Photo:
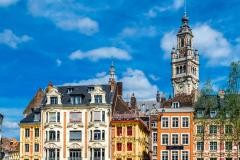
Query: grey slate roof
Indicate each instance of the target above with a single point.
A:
(30, 118)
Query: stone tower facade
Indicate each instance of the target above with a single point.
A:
(185, 62)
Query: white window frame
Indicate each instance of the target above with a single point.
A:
(210, 146)
(172, 138)
(188, 121)
(188, 138)
(177, 154)
(153, 137)
(182, 154)
(197, 128)
(197, 146)
(168, 138)
(168, 122)
(164, 151)
(179, 122)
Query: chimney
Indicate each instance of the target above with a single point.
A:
(119, 88)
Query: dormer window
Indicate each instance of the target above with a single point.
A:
(76, 100)
(213, 114)
(69, 90)
(53, 100)
(37, 117)
(175, 105)
(199, 114)
(90, 89)
(98, 98)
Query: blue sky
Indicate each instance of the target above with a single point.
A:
(75, 41)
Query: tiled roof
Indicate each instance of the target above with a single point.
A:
(35, 102)
(120, 106)
(10, 145)
(183, 99)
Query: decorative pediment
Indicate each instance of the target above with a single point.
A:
(75, 125)
(75, 146)
(51, 146)
(96, 145)
(98, 90)
(52, 125)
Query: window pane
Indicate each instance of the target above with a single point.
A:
(75, 117)
(75, 135)
(97, 116)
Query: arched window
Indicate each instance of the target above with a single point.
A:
(184, 69)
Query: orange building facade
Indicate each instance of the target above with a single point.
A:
(175, 127)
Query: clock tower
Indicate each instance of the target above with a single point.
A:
(185, 62)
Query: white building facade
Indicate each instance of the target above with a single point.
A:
(75, 122)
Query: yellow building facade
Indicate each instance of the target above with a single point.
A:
(129, 138)
(30, 140)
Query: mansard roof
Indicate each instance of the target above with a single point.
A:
(30, 118)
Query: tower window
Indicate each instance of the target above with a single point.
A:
(177, 70)
(182, 42)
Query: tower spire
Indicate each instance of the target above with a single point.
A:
(112, 76)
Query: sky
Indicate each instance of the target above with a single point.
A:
(75, 42)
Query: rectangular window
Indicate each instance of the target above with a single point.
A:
(58, 116)
(175, 122)
(75, 117)
(75, 154)
(228, 129)
(98, 98)
(36, 117)
(228, 146)
(119, 131)
(213, 146)
(200, 114)
(213, 114)
(53, 154)
(164, 139)
(199, 146)
(174, 155)
(129, 146)
(154, 150)
(199, 129)
(164, 155)
(76, 100)
(53, 100)
(52, 117)
(26, 147)
(213, 158)
(52, 136)
(129, 131)
(97, 116)
(154, 124)
(119, 146)
(36, 147)
(185, 122)
(175, 105)
(213, 129)
(185, 155)
(165, 122)
(174, 139)
(36, 132)
(185, 139)
(27, 132)
(75, 136)
(103, 116)
(103, 135)
(154, 137)
(97, 135)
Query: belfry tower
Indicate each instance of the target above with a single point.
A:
(185, 61)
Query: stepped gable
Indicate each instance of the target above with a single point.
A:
(35, 102)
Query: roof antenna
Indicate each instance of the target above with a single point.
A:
(185, 8)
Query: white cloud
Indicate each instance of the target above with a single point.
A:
(6, 3)
(139, 32)
(143, 89)
(65, 15)
(59, 62)
(211, 43)
(101, 53)
(168, 41)
(10, 124)
(154, 11)
(154, 77)
(7, 37)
